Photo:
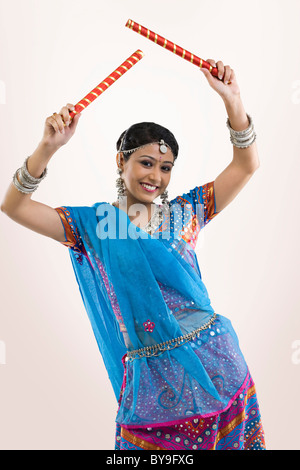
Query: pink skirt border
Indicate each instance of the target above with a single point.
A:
(207, 415)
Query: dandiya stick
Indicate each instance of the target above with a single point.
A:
(161, 41)
(110, 80)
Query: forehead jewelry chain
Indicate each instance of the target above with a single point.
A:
(163, 146)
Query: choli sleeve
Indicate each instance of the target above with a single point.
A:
(72, 235)
(202, 200)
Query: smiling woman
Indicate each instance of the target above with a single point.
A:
(175, 364)
(185, 383)
(146, 156)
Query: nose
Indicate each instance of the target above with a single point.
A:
(155, 177)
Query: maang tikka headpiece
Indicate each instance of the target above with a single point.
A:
(163, 146)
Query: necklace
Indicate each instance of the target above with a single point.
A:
(154, 222)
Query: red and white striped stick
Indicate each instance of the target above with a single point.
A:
(161, 41)
(110, 80)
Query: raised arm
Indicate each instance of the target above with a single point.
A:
(34, 215)
(245, 161)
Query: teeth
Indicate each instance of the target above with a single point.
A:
(148, 187)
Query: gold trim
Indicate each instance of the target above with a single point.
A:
(70, 237)
(183, 53)
(174, 49)
(155, 39)
(137, 441)
(165, 43)
(93, 93)
(209, 201)
(192, 58)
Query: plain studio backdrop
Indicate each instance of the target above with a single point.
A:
(54, 390)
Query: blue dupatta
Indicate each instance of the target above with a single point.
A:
(124, 276)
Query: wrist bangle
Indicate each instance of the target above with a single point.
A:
(24, 181)
(244, 138)
(28, 176)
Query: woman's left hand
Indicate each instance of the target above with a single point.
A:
(226, 86)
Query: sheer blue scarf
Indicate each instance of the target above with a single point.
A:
(116, 258)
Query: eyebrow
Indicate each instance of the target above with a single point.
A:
(152, 158)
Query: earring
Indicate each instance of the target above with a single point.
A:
(164, 197)
(120, 185)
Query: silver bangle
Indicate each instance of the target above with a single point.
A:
(20, 187)
(27, 183)
(24, 182)
(244, 138)
(29, 177)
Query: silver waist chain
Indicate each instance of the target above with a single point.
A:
(157, 349)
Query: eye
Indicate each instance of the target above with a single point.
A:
(165, 168)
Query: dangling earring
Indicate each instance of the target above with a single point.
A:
(120, 185)
(164, 198)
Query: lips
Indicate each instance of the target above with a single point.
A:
(148, 189)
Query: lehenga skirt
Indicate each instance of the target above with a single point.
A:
(239, 427)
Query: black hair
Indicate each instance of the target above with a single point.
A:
(145, 133)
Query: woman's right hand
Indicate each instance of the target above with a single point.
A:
(56, 134)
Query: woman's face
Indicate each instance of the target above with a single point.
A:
(149, 166)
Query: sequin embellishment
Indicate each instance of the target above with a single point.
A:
(149, 326)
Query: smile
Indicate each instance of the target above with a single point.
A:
(148, 187)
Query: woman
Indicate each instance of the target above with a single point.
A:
(175, 365)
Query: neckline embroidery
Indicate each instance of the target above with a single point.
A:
(154, 222)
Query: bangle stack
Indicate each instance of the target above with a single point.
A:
(24, 181)
(242, 139)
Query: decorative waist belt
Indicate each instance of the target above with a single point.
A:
(159, 348)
